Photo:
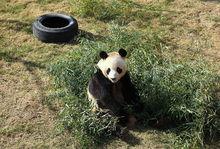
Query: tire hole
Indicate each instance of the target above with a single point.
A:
(55, 22)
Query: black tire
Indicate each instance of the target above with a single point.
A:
(55, 28)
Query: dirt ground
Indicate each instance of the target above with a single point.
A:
(25, 121)
(197, 27)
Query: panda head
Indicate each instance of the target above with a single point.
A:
(113, 65)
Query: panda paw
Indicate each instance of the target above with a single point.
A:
(131, 122)
(121, 131)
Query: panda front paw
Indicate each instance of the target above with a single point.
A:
(121, 132)
(131, 122)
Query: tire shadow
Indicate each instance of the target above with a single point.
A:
(89, 35)
(82, 34)
(22, 26)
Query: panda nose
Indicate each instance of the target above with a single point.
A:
(113, 79)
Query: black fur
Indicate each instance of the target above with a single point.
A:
(103, 54)
(122, 52)
(102, 89)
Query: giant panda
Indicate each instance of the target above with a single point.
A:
(110, 88)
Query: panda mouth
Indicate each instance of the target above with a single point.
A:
(113, 80)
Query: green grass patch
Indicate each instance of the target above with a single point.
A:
(182, 91)
(122, 11)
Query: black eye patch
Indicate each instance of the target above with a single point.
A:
(119, 70)
(108, 70)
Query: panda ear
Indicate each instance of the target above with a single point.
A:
(103, 54)
(122, 52)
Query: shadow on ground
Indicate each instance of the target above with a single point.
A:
(29, 64)
(131, 139)
(30, 67)
(16, 25)
(128, 138)
(218, 1)
(82, 34)
(89, 35)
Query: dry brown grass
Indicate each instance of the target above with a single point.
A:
(196, 28)
(27, 123)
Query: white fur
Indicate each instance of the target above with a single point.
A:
(113, 61)
(112, 74)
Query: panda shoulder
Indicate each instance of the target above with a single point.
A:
(97, 79)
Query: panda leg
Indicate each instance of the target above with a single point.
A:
(93, 101)
(131, 121)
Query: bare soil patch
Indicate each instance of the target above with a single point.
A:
(196, 28)
(25, 122)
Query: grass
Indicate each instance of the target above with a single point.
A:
(43, 2)
(179, 90)
(215, 18)
(16, 129)
(15, 9)
(121, 12)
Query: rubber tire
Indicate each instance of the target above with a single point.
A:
(55, 35)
